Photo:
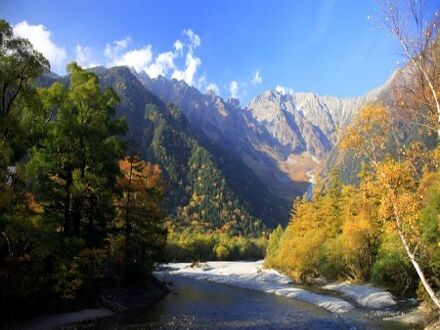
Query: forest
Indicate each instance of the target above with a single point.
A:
(76, 210)
(385, 229)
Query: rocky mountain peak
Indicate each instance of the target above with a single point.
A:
(278, 130)
(233, 102)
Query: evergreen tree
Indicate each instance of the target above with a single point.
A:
(20, 64)
(75, 165)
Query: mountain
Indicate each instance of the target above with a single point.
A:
(280, 135)
(221, 127)
(231, 127)
(306, 128)
(305, 122)
(259, 157)
(200, 192)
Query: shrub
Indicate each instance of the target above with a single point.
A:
(221, 252)
(393, 267)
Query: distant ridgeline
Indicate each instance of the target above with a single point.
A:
(205, 189)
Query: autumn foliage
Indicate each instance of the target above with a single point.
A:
(384, 229)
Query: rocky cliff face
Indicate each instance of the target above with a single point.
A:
(305, 122)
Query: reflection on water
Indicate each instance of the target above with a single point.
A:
(203, 305)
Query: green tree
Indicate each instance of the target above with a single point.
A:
(20, 64)
(273, 247)
(75, 165)
(430, 228)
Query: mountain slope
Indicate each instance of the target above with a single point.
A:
(345, 161)
(232, 128)
(281, 136)
(222, 128)
(199, 193)
(228, 166)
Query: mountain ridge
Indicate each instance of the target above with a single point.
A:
(281, 135)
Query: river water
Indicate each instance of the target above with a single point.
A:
(195, 304)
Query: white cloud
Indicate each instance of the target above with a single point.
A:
(192, 62)
(162, 64)
(187, 74)
(84, 56)
(257, 79)
(213, 88)
(116, 54)
(204, 86)
(233, 89)
(283, 90)
(136, 58)
(113, 50)
(178, 46)
(165, 63)
(122, 44)
(239, 88)
(194, 39)
(180, 62)
(40, 37)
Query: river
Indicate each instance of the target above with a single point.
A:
(196, 304)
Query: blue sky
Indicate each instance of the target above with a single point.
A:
(236, 47)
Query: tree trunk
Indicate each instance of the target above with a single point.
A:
(76, 216)
(411, 255)
(419, 271)
(67, 204)
(91, 214)
(434, 95)
(127, 219)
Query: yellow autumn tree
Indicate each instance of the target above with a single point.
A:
(140, 222)
(299, 245)
(350, 252)
(400, 205)
(312, 225)
(367, 135)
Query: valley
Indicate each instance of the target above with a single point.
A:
(237, 165)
